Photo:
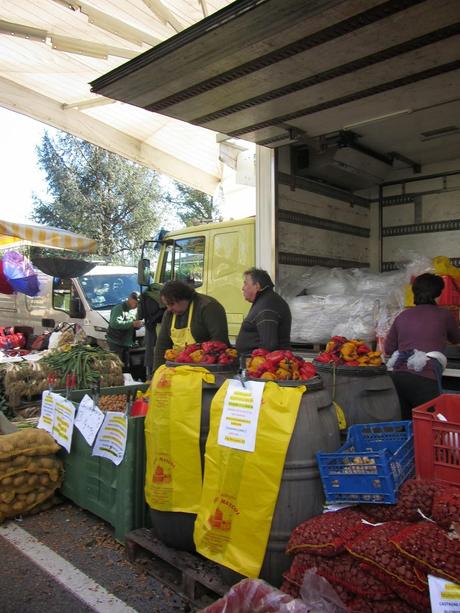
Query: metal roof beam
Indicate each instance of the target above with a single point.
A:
(111, 24)
(164, 14)
(23, 100)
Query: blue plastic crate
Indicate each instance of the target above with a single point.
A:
(370, 467)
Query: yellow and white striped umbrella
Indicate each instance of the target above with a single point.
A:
(13, 233)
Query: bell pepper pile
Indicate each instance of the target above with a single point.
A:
(211, 352)
(344, 352)
(280, 365)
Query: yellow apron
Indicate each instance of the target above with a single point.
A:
(240, 488)
(173, 477)
(181, 337)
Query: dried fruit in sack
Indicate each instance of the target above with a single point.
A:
(417, 599)
(346, 570)
(327, 534)
(391, 605)
(299, 566)
(376, 548)
(413, 495)
(429, 546)
(446, 508)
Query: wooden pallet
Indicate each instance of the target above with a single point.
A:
(194, 578)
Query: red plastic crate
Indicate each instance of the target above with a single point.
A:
(450, 295)
(437, 442)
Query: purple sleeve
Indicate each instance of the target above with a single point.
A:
(391, 340)
(453, 331)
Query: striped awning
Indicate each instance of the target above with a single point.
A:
(12, 234)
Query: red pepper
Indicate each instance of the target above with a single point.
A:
(191, 348)
(259, 352)
(211, 346)
(209, 359)
(363, 349)
(183, 357)
(225, 359)
(274, 357)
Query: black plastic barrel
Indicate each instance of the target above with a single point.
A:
(175, 529)
(301, 493)
(365, 393)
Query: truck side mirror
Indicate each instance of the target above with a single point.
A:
(76, 310)
(143, 271)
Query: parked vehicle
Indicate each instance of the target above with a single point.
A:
(85, 300)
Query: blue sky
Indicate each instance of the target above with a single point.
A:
(19, 172)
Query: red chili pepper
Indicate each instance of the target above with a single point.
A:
(275, 357)
(259, 352)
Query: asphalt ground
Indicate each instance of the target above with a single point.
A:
(84, 543)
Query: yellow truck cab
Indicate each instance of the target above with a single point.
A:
(212, 257)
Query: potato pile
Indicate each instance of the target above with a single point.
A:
(29, 471)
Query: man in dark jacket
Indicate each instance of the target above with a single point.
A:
(151, 311)
(123, 322)
(268, 323)
(189, 318)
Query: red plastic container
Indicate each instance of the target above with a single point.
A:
(437, 441)
(450, 295)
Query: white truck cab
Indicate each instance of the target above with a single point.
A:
(85, 300)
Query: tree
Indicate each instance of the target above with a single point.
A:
(98, 194)
(191, 206)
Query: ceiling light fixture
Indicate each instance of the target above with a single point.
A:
(366, 122)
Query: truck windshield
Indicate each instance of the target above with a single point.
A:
(105, 291)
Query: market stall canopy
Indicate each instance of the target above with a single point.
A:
(12, 234)
(279, 72)
(51, 49)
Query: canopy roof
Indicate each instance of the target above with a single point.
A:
(276, 72)
(51, 49)
(12, 234)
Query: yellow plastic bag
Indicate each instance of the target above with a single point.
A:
(240, 488)
(173, 477)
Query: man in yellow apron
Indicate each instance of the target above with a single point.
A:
(189, 318)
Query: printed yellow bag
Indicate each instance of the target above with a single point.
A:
(240, 488)
(173, 477)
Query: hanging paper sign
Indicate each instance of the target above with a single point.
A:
(444, 595)
(111, 439)
(89, 419)
(64, 416)
(238, 425)
(46, 420)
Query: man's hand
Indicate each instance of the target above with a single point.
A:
(138, 323)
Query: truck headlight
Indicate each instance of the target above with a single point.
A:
(100, 329)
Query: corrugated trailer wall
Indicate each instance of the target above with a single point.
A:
(422, 216)
(317, 228)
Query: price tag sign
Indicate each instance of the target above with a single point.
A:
(444, 595)
(111, 439)
(238, 424)
(89, 419)
(46, 420)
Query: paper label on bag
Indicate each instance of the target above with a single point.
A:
(240, 416)
(111, 438)
(444, 595)
(89, 419)
(46, 420)
(64, 416)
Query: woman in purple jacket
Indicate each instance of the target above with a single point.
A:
(416, 342)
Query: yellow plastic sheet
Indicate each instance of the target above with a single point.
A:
(240, 488)
(173, 477)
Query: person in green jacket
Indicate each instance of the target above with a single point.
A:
(123, 322)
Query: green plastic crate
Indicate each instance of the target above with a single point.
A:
(113, 493)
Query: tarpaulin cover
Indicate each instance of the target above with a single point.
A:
(20, 273)
(5, 287)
